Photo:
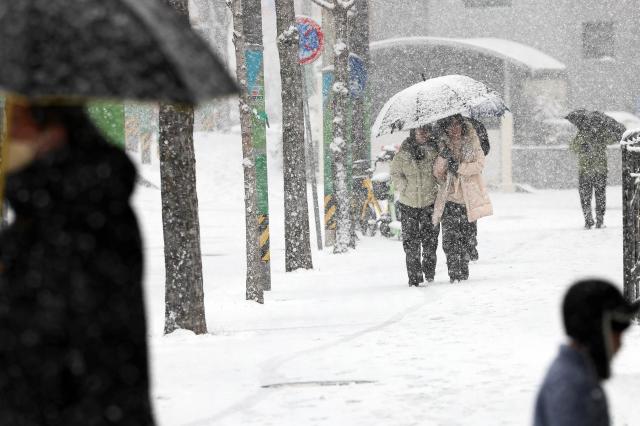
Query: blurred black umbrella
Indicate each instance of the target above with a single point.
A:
(596, 122)
(113, 49)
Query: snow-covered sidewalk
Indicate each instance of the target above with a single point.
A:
(444, 354)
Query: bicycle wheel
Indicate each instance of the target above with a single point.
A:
(365, 222)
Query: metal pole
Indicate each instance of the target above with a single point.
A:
(311, 160)
(327, 121)
(506, 135)
(254, 56)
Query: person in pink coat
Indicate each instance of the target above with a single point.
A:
(462, 197)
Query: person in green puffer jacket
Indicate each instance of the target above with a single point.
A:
(591, 149)
(413, 179)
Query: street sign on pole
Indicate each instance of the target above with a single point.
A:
(311, 40)
(310, 45)
(357, 76)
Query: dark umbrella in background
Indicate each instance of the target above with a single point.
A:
(70, 52)
(596, 122)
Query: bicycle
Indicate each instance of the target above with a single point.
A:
(374, 199)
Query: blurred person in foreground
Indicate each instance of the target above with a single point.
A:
(72, 323)
(595, 316)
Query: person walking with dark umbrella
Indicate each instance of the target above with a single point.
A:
(595, 316)
(590, 146)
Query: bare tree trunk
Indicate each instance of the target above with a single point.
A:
(254, 286)
(340, 9)
(297, 239)
(184, 294)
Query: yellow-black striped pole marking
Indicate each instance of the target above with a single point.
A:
(329, 212)
(263, 225)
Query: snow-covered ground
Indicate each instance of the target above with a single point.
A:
(445, 354)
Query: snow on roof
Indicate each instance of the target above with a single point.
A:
(535, 61)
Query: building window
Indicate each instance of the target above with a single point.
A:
(487, 3)
(598, 40)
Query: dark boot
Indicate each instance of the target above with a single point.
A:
(588, 221)
(473, 254)
(599, 222)
(464, 273)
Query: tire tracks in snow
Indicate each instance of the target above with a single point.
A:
(270, 368)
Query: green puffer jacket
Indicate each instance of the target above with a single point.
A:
(413, 179)
(591, 151)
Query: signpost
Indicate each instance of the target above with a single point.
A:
(254, 60)
(310, 46)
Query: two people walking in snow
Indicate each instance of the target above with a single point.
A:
(438, 176)
(595, 316)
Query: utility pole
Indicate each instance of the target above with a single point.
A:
(254, 281)
(327, 128)
(359, 45)
(254, 61)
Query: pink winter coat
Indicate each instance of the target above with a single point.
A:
(467, 187)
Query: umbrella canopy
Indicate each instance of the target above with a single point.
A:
(435, 99)
(114, 49)
(630, 137)
(596, 122)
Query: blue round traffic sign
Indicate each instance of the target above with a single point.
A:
(311, 40)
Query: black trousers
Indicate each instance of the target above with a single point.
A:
(456, 232)
(473, 241)
(419, 239)
(588, 183)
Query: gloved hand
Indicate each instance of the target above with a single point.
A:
(452, 165)
(446, 153)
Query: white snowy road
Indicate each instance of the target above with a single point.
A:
(444, 354)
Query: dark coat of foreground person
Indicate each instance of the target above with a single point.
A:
(595, 316)
(72, 323)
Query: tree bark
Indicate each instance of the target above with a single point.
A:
(340, 89)
(254, 280)
(339, 145)
(297, 238)
(184, 294)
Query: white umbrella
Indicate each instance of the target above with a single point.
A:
(435, 99)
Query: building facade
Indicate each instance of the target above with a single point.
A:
(598, 41)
